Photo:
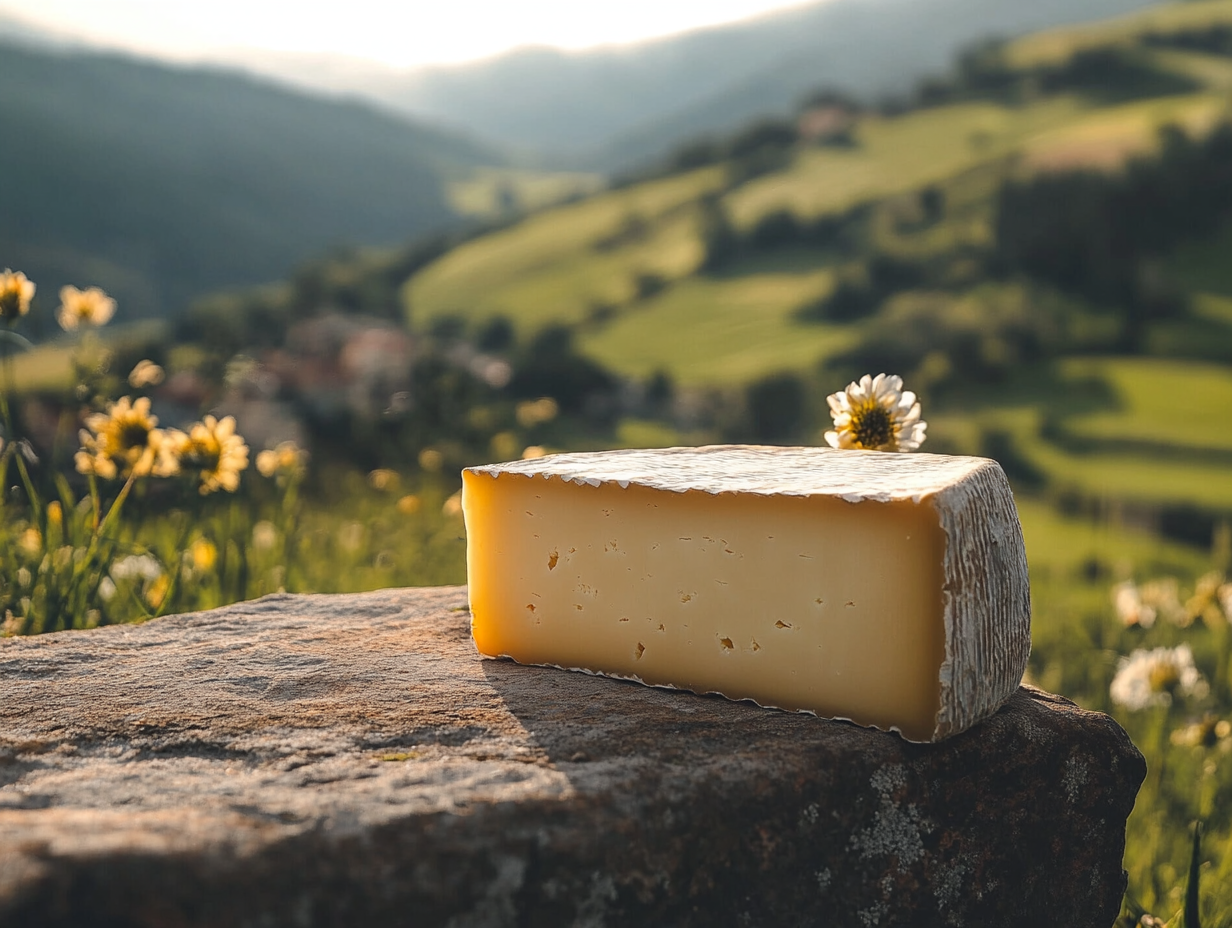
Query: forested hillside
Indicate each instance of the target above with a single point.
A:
(161, 183)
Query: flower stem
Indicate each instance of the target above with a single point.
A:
(100, 531)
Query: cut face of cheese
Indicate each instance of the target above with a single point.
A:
(886, 589)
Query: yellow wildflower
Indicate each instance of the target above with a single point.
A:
(876, 414)
(383, 479)
(204, 554)
(533, 412)
(1205, 604)
(1210, 732)
(156, 590)
(145, 374)
(124, 441)
(84, 307)
(16, 292)
(287, 458)
(31, 542)
(212, 448)
(504, 445)
(431, 460)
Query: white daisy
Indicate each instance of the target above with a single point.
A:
(1152, 678)
(876, 414)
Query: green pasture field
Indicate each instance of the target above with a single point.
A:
(582, 262)
(1183, 404)
(1212, 71)
(553, 266)
(489, 193)
(1138, 430)
(898, 154)
(1057, 45)
(728, 329)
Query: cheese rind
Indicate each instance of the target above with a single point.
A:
(886, 589)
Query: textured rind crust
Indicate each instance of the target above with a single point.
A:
(763, 470)
(986, 600)
(986, 594)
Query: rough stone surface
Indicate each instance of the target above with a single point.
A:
(349, 760)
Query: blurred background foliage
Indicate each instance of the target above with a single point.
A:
(1039, 240)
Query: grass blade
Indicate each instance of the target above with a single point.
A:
(1191, 890)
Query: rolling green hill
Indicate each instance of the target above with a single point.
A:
(162, 183)
(1038, 244)
(633, 271)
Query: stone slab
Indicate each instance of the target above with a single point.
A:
(349, 760)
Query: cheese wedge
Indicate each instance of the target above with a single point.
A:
(886, 589)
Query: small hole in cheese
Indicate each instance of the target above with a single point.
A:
(781, 624)
(726, 643)
(641, 649)
(552, 559)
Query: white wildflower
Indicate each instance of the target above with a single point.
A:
(1130, 608)
(876, 414)
(1152, 678)
(1164, 596)
(264, 535)
(133, 566)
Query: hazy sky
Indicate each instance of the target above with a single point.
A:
(397, 32)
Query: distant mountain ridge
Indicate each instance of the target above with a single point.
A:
(162, 183)
(611, 108)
